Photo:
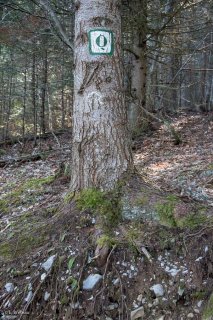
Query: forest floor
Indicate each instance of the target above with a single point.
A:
(156, 268)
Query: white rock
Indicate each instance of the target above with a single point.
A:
(196, 310)
(28, 297)
(112, 306)
(139, 298)
(199, 304)
(9, 287)
(206, 249)
(138, 313)
(43, 276)
(135, 305)
(75, 305)
(180, 291)
(47, 265)
(158, 290)
(190, 316)
(173, 272)
(198, 259)
(91, 281)
(156, 302)
(46, 296)
(116, 281)
(30, 287)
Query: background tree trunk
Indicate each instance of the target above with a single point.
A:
(101, 145)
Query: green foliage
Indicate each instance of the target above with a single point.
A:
(106, 240)
(208, 311)
(2, 152)
(104, 204)
(4, 206)
(199, 295)
(166, 211)
(192, 220)
(64, 300)
(71, 263)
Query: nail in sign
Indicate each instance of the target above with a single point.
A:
(101, 42)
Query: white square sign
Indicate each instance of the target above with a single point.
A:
(101, 42)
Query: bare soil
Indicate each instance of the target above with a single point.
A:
(37, 222)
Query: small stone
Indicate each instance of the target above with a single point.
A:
(199, 304)
(135, 305)
(9, 287)
(190, 316)
(158, 290)
(43, 276)
(138, 313)
(196, 310)
(206, 249)
(198, 259)
(46, 296)
(116, 281)
(28, 297)
(139, 298)
(91, 281)
(47, 265)
(75, 305)
(180, 291)
(156, 302)
(173, 272)
(161, 318)
(112, 306)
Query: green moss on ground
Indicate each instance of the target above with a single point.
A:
(18, 195)
(22, 242)
(208, 310)
(165, 211)
(191, 220)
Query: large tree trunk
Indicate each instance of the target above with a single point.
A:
(101, 146)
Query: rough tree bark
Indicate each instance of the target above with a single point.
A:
(101, 145)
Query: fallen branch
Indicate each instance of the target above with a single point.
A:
(23, 159)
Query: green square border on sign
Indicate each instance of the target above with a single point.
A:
(101, 53)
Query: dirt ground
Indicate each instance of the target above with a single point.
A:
(154, 270)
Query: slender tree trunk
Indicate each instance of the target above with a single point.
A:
(24, 100)
(101, 146)
(139, 67)
(44, 92)
(33, 82)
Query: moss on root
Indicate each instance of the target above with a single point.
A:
(105, 205)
